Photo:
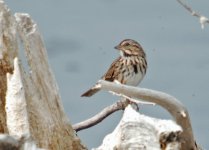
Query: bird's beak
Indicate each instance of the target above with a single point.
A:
(117, 47)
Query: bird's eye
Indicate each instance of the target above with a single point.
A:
(126, 44)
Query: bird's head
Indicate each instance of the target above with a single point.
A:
(130, 47)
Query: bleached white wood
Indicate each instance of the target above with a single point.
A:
(139, 132)
(16, 106)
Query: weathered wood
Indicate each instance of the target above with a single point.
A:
(8, 51)
(31, 98)
(139, 132)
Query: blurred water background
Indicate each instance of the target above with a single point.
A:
(80, 36)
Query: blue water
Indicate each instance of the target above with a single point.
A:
(80, 36)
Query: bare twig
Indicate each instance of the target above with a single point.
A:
(120, 105)
(203, 20)
(170, 103)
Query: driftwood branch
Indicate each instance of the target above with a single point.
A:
(120, 105)
(202, 19)
(170, 103)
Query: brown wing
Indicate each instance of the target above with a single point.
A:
(112, 72)
(111, 75)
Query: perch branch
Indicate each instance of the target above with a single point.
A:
(170, 103)
(120, 105)
(203, 20)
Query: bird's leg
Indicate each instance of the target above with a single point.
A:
(134, 105)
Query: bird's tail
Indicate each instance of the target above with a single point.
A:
(91, 91)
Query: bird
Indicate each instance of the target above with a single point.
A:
(129, 68)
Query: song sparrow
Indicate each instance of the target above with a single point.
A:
(128, 69)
